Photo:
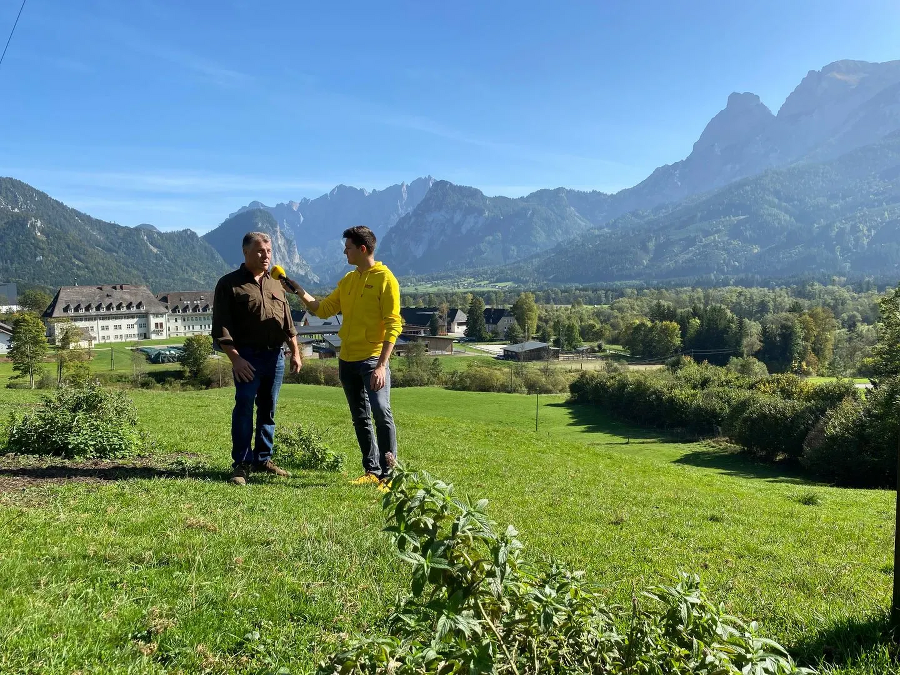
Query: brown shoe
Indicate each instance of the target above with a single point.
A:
(270, 467)
(239, 475)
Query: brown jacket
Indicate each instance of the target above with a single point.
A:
(251, 314)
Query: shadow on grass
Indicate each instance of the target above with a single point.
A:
(725, 460)
(45, 471)
(594, 420)
(851, 640)
(741, 465)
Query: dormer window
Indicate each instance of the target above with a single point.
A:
(119, 307)
(129, 306)
(140, 305)
(109, 307)
(67, 308)
(78, 307)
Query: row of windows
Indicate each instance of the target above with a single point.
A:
(100, 308)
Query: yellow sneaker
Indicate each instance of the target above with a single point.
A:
(368, 479)
(384, 487)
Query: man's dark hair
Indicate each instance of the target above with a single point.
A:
(361, 235)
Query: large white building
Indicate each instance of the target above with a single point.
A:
(116, 313)
(189, 312)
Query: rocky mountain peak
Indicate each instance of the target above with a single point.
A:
(842, 84)
(743, 117)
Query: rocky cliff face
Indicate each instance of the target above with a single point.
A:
(316, 224)
(226, 239)
(459, 227)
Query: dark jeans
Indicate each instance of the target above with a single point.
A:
(263, 389)
(356, 378)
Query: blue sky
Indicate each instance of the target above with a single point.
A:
(177, 113)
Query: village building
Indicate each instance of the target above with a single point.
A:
(497, 320)
(417, 320)
(530, 351)
(189, 312)
(115, 313)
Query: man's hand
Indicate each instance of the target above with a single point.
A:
(243, 371)
(296, 363)
(378, 378)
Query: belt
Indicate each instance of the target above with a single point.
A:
(259, 348)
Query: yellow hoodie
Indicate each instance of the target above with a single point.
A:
(370, 304)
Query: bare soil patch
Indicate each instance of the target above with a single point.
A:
(18, 472)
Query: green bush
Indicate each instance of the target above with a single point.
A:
(316, 371)
(770, 427)
(769, 416)
(86, 421)
(748, 366)
(855, 443)
(301, 446)
(784, 385)
(477, 606)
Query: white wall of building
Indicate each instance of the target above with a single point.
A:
(117, 326)
(189, 323)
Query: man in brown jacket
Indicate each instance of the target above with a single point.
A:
(251, 322)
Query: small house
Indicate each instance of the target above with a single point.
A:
(529, 351)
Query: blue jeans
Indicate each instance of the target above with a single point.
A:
(268, 367)
(356, 378)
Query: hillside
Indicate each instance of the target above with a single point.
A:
(838, 217)
(316, 224)
(455, 226)
(226, 240)
(44, 242)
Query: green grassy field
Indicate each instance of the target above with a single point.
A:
(171, 569)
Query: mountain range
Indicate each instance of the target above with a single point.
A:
(318, 223)
(811, 189)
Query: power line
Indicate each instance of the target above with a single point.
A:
(11, 32)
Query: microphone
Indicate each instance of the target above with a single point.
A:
(279, 274)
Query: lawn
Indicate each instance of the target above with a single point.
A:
(183, 572)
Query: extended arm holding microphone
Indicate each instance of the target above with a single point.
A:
(292, 286)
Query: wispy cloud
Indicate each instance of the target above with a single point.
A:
(207, 69)
(127, 37)
(515, 150)
(166, 182)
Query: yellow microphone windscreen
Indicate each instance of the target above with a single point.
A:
(277, 272)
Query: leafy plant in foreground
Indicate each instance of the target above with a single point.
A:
(476, 606)
(82, 421)
(301, 446)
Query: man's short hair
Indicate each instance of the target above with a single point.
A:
(250, 237)
(361, 235)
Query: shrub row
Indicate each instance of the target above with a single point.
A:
(770, 417)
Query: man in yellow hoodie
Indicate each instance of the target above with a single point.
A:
(369, 300)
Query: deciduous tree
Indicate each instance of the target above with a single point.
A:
(28, 345)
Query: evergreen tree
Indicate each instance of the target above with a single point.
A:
(476, 328)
